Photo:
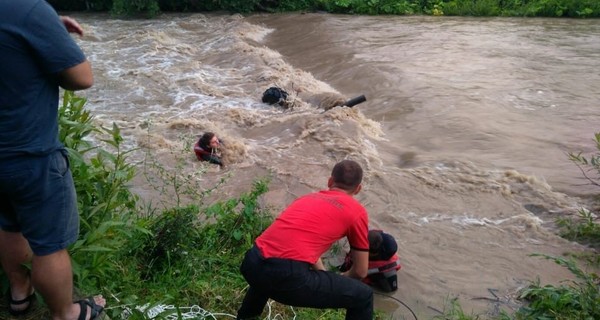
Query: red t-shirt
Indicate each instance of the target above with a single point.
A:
(312, 223)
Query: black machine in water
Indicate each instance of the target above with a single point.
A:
(354, 101)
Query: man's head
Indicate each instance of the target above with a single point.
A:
(375, 242)
(209, 140)
(382, 246)
(346, 175)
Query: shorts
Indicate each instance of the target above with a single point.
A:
(38, 199)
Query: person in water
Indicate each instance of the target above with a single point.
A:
(207, 149)
(383, 262)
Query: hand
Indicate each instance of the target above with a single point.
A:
(71, 25)
(319, 265)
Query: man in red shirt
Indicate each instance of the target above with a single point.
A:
(285, 262)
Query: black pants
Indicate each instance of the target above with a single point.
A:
(295, 283)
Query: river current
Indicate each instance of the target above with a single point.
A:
(463, 137)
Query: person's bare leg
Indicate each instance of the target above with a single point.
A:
(52, 276)
(14, 252)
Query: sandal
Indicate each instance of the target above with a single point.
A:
(12, 302)
(95, 309)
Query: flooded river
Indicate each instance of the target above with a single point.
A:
(464, 135)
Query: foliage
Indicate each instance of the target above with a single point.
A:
(589, 166)
(561, 8)
(237, 5)
(77, 5)
(472, 8)
(133, 7)
(296, 5)
(173, 235)
(103, 197)
(239, 230)
(583, 230)
(577, 300)
(453, 311)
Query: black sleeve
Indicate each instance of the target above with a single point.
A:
(212, 159)
(388, 247)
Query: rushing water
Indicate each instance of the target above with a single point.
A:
(463, 136)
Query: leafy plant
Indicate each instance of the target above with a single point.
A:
(133, 7)
(573, 300)
(238, 221)
(589, 166)
(104, 201)
(584, 230)
(173, 236)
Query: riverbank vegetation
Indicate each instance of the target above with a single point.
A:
(512, 8)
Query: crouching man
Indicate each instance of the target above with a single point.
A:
(285, 262)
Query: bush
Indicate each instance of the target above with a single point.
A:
(105, 203)
(133, 7)
(583, 230)
(481, 8)
(578, 300)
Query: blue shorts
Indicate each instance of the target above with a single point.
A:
(38, 199)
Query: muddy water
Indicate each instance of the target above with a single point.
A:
(463, 136)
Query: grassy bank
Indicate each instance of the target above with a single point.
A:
(512, 8)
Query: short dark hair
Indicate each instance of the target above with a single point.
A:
(204, 141)
(375, 241)
(347, 175)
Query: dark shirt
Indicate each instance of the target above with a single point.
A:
(34, 47)
(388, 248)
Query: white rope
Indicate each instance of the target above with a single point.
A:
(170, 312)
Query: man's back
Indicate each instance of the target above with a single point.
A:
(308, 227)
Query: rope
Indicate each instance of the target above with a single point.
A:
(404, 304)
(170, 312)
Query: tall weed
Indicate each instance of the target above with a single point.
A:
(572, 300)
(106, 205)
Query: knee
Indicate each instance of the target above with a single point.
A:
(366, 295)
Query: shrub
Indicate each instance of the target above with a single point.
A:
(577, 300)
(104, 201)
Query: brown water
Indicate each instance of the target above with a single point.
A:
(463, 136)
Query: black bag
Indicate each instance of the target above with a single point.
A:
(274, 95)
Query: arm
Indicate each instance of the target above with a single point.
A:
(360, 264)
(319, 265)
(78, 77)
(212, 159)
